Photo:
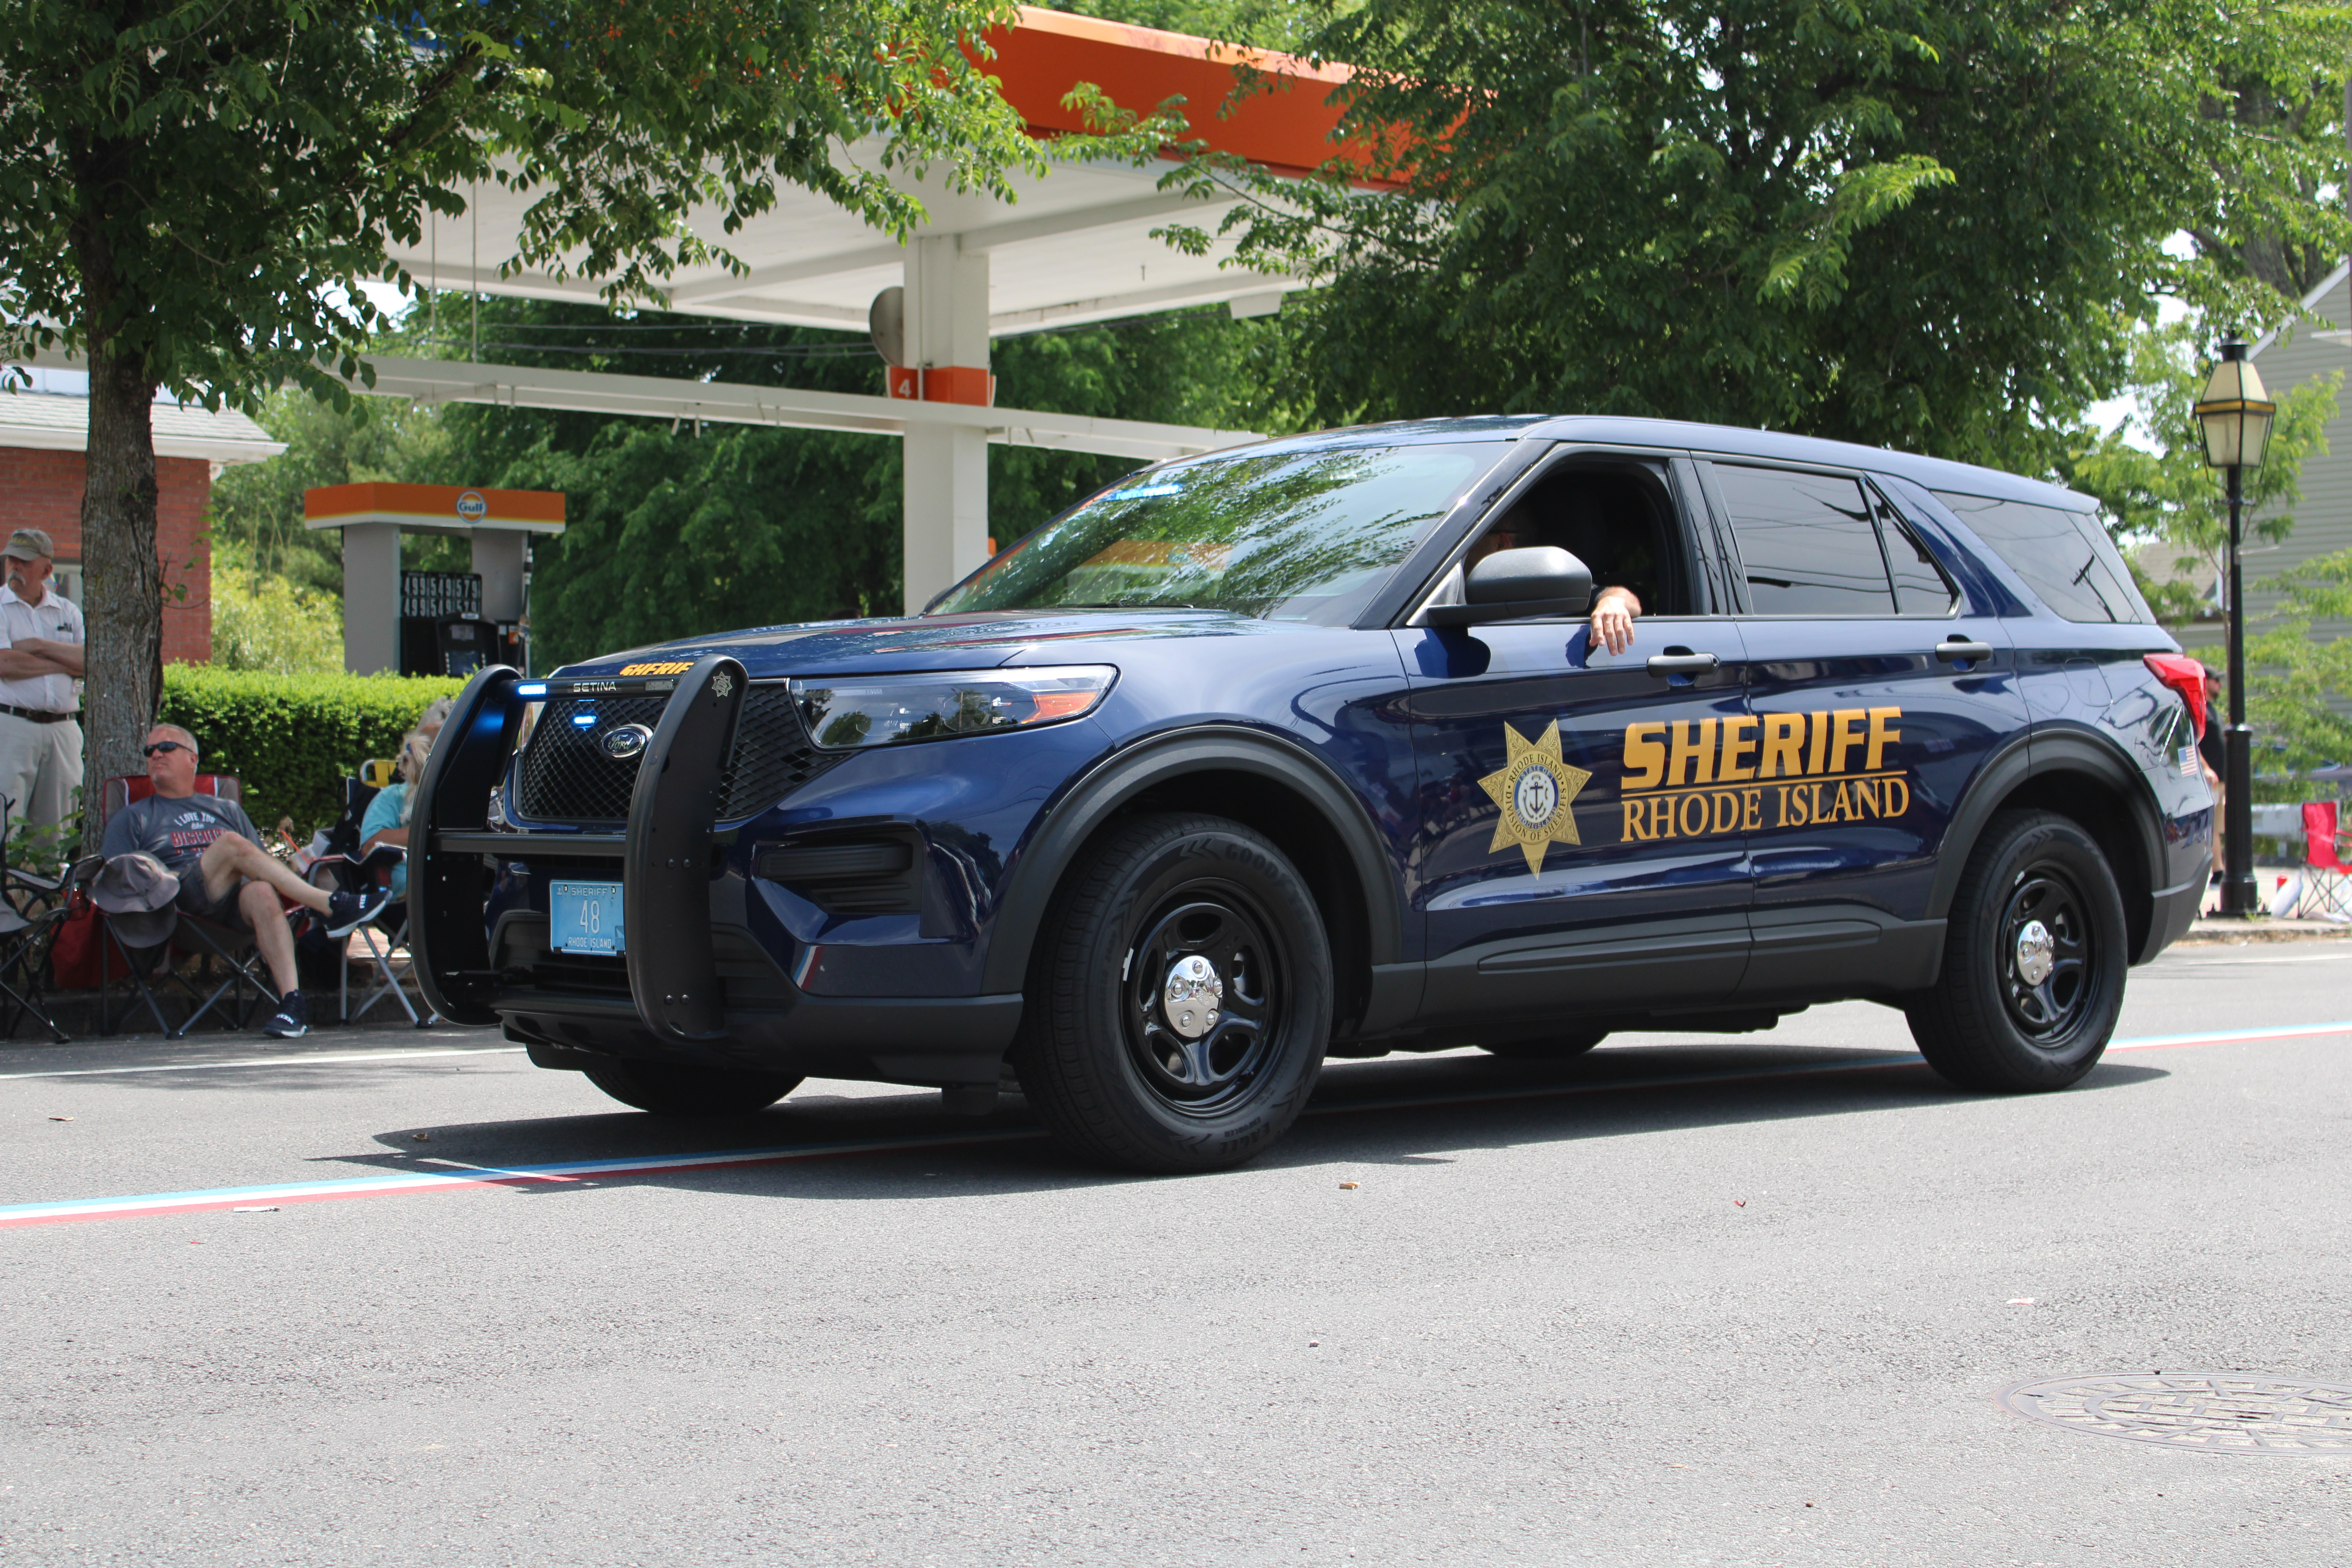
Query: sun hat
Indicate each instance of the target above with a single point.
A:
(136, 893)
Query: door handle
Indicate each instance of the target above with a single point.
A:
(1955, 650)
(1682, 663)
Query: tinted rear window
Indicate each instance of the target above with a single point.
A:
(1806, 543)
(2063, 556)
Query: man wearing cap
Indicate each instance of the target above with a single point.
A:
(40, 740)
(225, 875)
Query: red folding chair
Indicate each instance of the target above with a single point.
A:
(2325, 879)
(209, 941)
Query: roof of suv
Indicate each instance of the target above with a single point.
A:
(1934, 473)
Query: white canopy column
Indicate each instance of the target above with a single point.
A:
(946, 477)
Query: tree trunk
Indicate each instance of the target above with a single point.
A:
(123, 585)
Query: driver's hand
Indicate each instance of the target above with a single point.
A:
(1612, 623)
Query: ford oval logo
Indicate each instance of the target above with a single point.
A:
(625, 741)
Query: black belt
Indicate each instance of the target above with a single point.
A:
(35, 714)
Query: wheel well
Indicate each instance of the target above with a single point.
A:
(2105, 814)
(1313, 845)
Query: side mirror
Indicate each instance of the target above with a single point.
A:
(1515, 585)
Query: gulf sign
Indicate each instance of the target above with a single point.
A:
(443, 509)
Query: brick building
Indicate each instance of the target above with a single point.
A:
(43, 432)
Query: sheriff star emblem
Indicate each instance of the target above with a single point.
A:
(721, 684)
(1536, 789)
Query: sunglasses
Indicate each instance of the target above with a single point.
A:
(167, 746)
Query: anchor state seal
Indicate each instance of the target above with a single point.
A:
(1536, 789)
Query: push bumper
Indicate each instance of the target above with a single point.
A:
(691, 989)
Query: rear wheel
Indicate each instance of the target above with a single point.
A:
(2034, 960)
(1180, 1000)
(674, 1089)
(1553, 1047)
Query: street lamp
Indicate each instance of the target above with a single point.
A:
(2236, 414)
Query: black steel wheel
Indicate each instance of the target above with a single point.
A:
(1558, 1046)
(2035, 956)
(1180, 998)
(674, 1088)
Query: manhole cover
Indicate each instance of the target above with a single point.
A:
(2209, 1412)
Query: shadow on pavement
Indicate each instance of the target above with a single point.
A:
(1393, 1110)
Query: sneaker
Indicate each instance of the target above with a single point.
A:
(348, 911)
(292, 1019)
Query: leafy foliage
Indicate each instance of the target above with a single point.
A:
(256, 508)
(1923, 227)
(266, 622)
(292, 738)
(2150, 476)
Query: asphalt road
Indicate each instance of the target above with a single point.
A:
(1684, 1302)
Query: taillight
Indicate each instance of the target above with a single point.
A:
(2186, 677)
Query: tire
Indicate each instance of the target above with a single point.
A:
(1988, 1023)
(1559, 1047)
(1166, 915)
(672, 1089)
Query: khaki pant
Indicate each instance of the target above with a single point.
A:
(41, 768)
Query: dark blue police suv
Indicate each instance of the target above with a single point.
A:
(1306, 748)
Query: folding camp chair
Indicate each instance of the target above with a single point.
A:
(385, 937)
(2325, 888)
(24, 943)
(226, 958)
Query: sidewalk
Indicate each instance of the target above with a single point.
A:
(2228, 930)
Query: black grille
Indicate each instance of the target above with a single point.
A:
(568, 777)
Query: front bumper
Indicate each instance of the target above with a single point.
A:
(694, 987)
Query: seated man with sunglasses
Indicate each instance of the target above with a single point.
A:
(226, 875)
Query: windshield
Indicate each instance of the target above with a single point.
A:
(1288, 536)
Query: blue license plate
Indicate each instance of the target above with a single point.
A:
(586, 916)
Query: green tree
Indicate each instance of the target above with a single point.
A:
(1924, 227)
(191, 192)
(2150, 474)
(256, 508)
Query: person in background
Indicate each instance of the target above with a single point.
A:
(386, 820)
(226, 875)
(40, 739)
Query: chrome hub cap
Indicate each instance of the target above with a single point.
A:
(2036, 953)
(1191, 996)
(1203, 999)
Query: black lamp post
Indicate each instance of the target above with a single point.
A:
(2236, 414)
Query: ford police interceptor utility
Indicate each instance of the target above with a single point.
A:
(1304, 750)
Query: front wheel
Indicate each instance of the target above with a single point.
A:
(2034, 960)
(674, 1088)
(1180, 1000)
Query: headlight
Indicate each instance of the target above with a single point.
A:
(883, 709)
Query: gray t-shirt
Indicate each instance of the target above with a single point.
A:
(175, 831)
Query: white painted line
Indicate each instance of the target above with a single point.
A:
(275, 1062)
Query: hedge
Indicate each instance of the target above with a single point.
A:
(293, 739)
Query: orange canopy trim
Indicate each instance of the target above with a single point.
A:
(445, 506)
(1286, 127)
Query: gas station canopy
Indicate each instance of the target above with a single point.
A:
(1074, 246)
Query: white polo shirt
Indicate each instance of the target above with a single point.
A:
(54, 619)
